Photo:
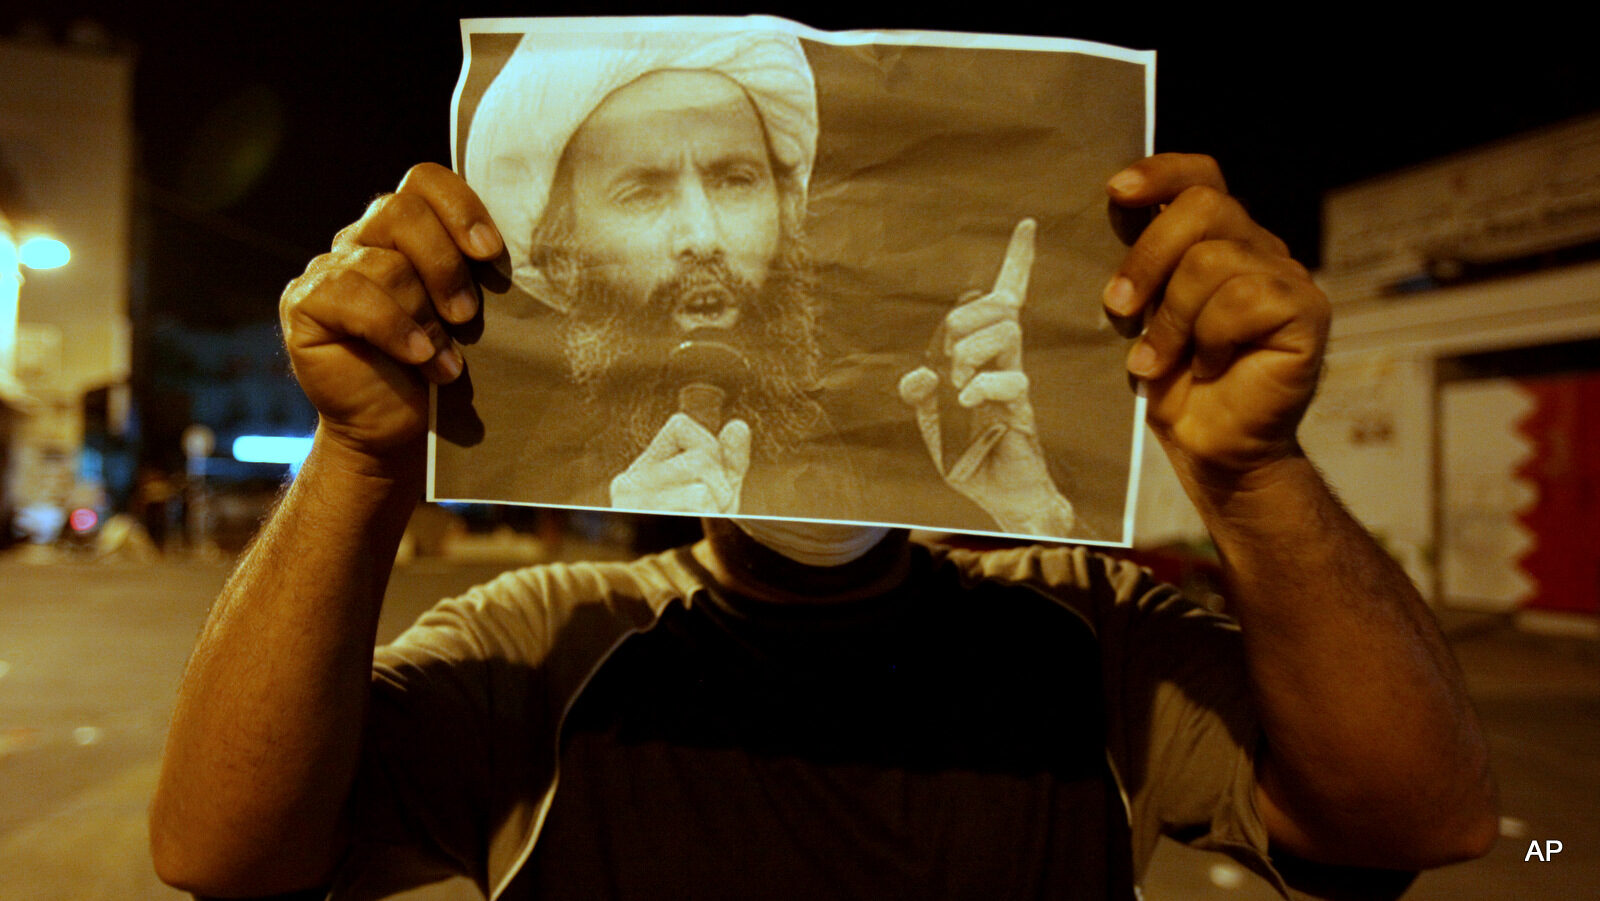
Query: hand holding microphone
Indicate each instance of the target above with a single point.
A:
(697, 461)
(708, 374)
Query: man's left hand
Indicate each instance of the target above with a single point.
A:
(1388, 770)
(1235, 328)
(1003, 467)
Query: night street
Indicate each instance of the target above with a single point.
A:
(90, 655)
(787, 268)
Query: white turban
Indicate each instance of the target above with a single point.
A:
(553, 81)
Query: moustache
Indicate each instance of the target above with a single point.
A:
(702, 294)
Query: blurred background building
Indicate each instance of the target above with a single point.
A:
(1459, 414)
(1460, 376)
(66, 160)
(193, 159)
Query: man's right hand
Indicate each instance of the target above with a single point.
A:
(364, 325)
(686, 469)
(266, 734)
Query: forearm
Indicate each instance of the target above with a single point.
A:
(1373, 755)
(266, 732)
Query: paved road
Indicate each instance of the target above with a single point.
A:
(90, 656)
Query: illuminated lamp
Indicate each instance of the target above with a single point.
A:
(43, 253)
(271, 449)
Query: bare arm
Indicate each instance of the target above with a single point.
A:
(262, 749)
(1372, 755)
(263, 743)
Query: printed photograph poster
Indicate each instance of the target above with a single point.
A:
(760, 270)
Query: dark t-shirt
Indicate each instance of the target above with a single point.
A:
(892, 748)
(989, 729)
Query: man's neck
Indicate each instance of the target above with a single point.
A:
(742, 564)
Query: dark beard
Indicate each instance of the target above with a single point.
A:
(618, 354)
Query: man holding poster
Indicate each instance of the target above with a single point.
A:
(794, 709)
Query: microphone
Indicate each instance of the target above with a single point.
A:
(709, 374)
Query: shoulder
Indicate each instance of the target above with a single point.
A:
(1122, 603)
(1095, 584)
(521, 614)
(1045, 566)
(467, 702)
(648, 582)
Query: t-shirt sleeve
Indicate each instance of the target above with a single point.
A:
(1184, 735)
(460, 741)
(1182, 728)
(457, 711)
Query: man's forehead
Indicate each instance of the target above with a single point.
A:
(665, 103)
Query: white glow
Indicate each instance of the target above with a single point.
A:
(271, 449)
(1226, 876)
(43, 253)
(10, 290)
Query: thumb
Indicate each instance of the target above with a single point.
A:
(919, 388)
(735, 441)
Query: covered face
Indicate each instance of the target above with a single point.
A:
(814, 543)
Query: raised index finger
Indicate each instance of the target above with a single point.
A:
(1012, 283)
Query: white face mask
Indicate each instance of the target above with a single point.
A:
(813, 543)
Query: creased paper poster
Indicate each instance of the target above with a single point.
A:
(756, 269)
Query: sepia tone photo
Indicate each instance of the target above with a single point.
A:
(758, 270)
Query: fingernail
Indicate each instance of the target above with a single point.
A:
(1126, 182)
(483, 240)
(1118, 296)
(420, 346)
(463, 304)
(450, 361)
(1142, 360)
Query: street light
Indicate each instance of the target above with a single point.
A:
(10, 291)
(40, 252)
(37, 252)
(9, 257)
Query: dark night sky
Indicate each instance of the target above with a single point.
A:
(322, 106)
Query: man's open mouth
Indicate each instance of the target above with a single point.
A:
(712, 306)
